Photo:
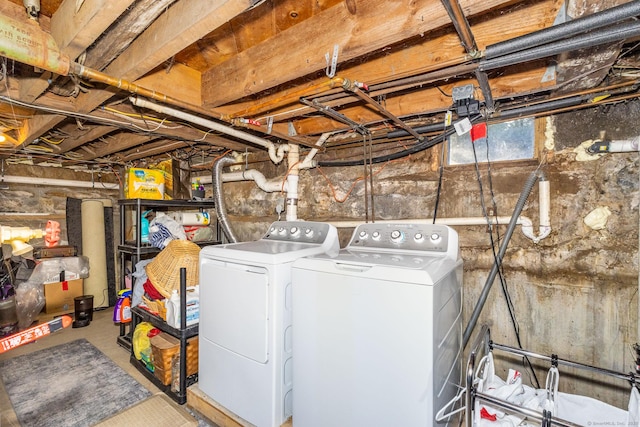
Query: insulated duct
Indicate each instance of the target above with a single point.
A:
(498, 261)
(560, 31)
(216, 180)
(38, 48)
(595, 38)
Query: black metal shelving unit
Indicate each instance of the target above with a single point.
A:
(183, 334)
(133, 251)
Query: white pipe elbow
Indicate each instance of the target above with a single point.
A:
(275, 154)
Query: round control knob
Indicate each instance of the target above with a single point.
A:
(375, 234)
(281, 230)
(396, 235)
(273, 229)
(293, 230)
(362, 234)
(434, 237)
(418, 237)
(308, 232)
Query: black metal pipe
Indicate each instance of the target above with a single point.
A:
(539, 108)
(483, 81)
(504, 114)
(594, 38)
(423, 145)
(564, 30)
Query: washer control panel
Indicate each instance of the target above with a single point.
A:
(410, 237)
(298, 231)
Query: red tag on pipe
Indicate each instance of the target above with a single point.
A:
(65, 286)
(478, 131)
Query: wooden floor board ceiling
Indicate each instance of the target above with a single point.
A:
(106, 83)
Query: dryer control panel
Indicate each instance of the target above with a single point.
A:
(409, 237)
(298, 231)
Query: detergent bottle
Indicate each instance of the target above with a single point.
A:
(122, 310)
(144, 227)
(192, 309)
(173, 309)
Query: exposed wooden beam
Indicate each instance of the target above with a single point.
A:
(358, 27)
(152, 149)
(425, 101)
(125, 140)
(122, 33)
(177, 28)
(178, 81)
(424, 56)
(76, 26)
(74, 30)
(94, 133)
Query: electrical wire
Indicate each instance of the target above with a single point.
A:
(440, 175)
(416, 148)
(494, 244)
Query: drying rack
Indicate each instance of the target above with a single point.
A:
(483, 345)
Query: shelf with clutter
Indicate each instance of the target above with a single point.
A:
(161, 221)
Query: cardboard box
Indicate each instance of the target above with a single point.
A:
(145, 184)
(59, 296)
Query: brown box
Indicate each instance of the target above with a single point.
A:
(58, 296)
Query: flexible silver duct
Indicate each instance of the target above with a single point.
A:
(216, 180)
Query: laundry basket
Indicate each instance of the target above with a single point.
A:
(164, 347)
(164, 270)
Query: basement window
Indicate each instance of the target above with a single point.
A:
(512, 140)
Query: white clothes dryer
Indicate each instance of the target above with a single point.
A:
(377, 329)
(245, 332)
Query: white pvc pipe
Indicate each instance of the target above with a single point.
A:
(625, 145)
(291, 201)
(57, 182)
(308, 161)
(275, 153)
(250, 175)
(501, 220)
(525, 222)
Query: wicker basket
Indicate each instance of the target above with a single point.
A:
(156, 306)
(164, 347)
(164, 270)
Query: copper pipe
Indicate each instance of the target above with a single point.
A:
(128, 86)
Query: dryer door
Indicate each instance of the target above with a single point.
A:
(234, 306)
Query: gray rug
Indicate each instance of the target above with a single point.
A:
(72, 384)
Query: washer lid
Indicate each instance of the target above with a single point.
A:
(285, 241)
(407, 267)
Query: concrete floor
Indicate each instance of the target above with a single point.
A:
(102, 333)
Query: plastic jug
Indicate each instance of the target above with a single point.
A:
(144, 227)
(193, 307)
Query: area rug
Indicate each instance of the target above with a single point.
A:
(72, 384)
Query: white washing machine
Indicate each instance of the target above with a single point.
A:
(245, 332)
(377, 334)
